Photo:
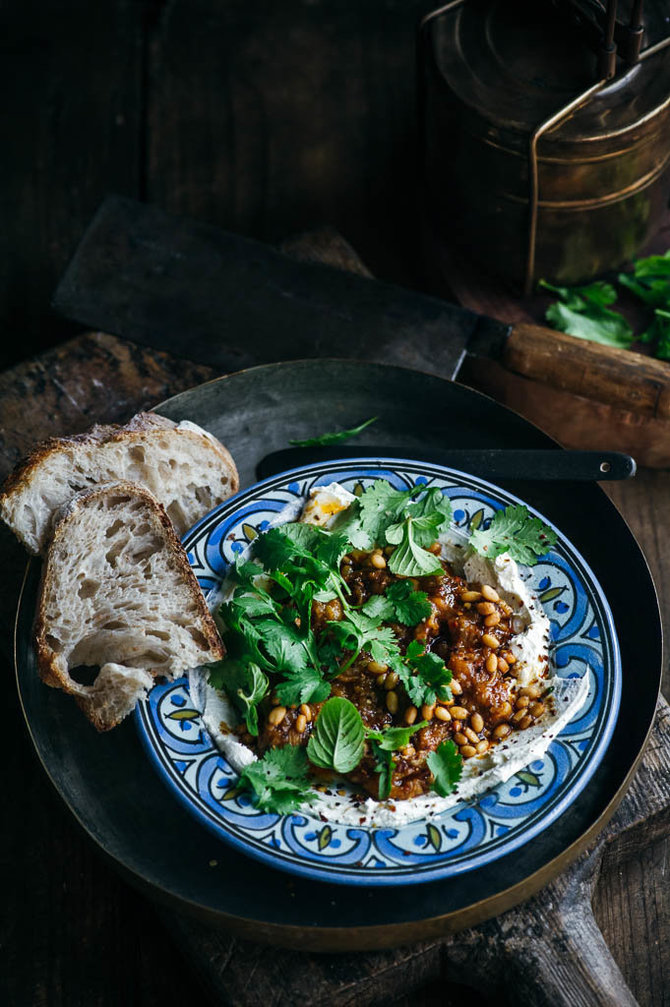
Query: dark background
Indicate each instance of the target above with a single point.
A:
(266, 117)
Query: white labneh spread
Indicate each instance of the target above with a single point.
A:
(340, 802)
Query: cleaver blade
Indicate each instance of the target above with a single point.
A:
(231, 302)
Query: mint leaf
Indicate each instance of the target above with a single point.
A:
(279, 781)
(338, 739)
(409, 559)
(446, 765)
(584, 312)
(336, 438)
(514, 531)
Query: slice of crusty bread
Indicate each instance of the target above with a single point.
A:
(118, 594)
(185, 467)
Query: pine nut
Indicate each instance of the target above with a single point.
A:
(441, 713)
(459, 738)
(477, 722)
(306, 712)
(537, 709)
(391, 681)
(505, 709)
(456, 687)
(470, 596)
(410, 715)
(427, 712)
(467, 751)
(408, 751)
(521, 701)
(532, 691)
(380, 680)
(510, 658)
(392, 702)
(458, 713)
(490, 641)
(486, 608)
(276, 716)
(519, 716)
(482, 746)
(503, 666)
(492, 620)
(491, 663)
(378, 561)
(376, 668)
(526, 722)
(490, 593)
(470, 735)
(501, 731)
(301, 723)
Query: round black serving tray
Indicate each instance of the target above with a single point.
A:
(110, 787)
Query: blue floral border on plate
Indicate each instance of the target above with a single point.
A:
(461, 838)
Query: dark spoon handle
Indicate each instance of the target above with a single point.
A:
(493, 463)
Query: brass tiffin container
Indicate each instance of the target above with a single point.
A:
(535, 165)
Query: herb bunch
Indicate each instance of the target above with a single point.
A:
(271, 641)
(587, 311)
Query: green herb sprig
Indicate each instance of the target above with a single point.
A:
(323, 440)
(279, 781)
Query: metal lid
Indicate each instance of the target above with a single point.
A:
(512, 64)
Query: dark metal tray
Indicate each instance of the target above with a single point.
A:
(113, 791)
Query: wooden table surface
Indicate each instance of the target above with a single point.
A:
(265, 118)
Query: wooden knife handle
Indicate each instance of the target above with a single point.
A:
(620, 378)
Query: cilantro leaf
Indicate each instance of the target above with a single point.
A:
(279, 781)
(383, 759)
(379, 607)
(382, 746)
(584, 312)
(410, 607)
(366, 520)
(245, 686)
(513, 530)
(358, 631)
(650, 280)
(425, 675)
(304, 685)
(446, 765)
(409, 559)
(338, 739)
(659, 330)
(393, 738)
(336, 438)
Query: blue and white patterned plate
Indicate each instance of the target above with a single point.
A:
(463, 837)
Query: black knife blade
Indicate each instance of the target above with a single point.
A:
(227, 301)
(495, 464)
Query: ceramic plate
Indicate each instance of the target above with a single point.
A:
(469, 834)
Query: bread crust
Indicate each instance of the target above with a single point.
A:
(53, 667)
(21, 482)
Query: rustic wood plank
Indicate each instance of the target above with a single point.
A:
(72, 75)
